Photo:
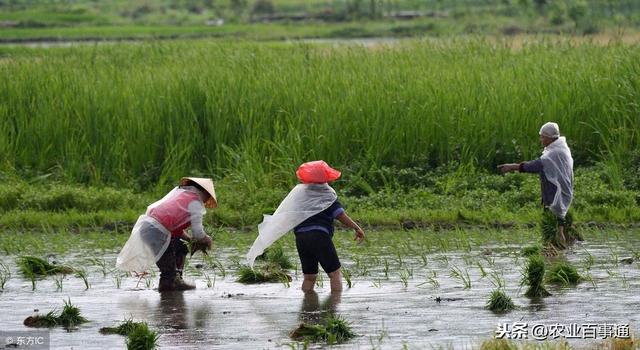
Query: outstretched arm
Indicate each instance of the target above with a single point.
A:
(346, 220)
(507, 168)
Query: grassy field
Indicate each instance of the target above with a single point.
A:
(91, 135)
(140, 115)
(24, 21)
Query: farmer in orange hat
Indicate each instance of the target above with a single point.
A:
(159, 236)
(309, 210)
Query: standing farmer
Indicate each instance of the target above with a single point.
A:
(159, 235)
(309, 210)
(555, 168)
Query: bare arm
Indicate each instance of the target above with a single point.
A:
(346, 220)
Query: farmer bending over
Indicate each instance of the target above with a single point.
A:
(309, 209)
(555, 168)
(159, 236)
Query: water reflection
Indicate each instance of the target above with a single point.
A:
(313, 312)
(172, 311)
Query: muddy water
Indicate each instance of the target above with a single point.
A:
(383, 311)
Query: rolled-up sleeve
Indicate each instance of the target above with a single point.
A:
(196, 212)
(532, 166)
(336, 209)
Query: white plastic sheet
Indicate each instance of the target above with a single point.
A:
(304, 201)
(557, 165)
(148, 241)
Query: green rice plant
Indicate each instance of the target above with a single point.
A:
(248, 275)
(102, 263)
(5, 275)
(463, 276)
(483, 273)
(490, 260)
(117, 279)
(210, 282)
(404, 278)
(549, 228)
(588, 277)
(58, 279)
(498, 344)
(335, 330)
(534, 277)
(423, 257)
(562, 273)
(499, 302)
(386, 268)
(338, 330)
(531, 250)
(275, 255)
(497, 279)
(70, 316)
(142, 338)
(124, 328)
(347, 277)
(199, 92)
(82, 273)
(31, 265)
(589, 260)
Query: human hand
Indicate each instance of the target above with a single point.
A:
(359, 235)
(505, 168)
(203, 244)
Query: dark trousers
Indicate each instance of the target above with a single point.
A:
(172, 261)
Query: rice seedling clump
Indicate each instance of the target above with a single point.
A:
(124, 328)
(142, 338)
(531, 250)
(498, 344)
(70, 315)
(68, 318)
(335, 330)
(499, 302)
(31, 265)
(534, 277)
(262, 274)
(563, 273)
(549, 228)
(275, 255)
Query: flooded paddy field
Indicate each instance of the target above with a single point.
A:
(413, 289)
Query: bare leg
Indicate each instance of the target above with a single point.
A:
(563, 240)
(336, 280)
(308, 282)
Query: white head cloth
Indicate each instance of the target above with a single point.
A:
(557, 165)
(551, 130)
(304, 201)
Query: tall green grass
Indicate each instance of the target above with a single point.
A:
(141, 115)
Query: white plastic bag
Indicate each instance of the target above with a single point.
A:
(148, 241)
(304, 201)
(557, 165)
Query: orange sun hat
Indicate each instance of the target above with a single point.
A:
(317, 172)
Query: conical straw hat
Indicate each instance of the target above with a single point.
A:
(207, 185)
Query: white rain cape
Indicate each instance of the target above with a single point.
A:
(557, 165)
(304, 201)
(149, 239)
